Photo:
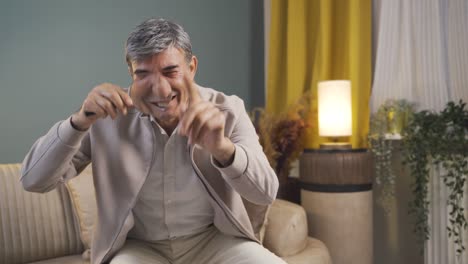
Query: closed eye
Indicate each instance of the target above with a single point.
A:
(171, 70)
(141, 73)
(171, 73)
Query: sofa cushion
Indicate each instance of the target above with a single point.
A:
(314, 252)
(74, 259)
(291, 220)
(83, 199)
(34, 226)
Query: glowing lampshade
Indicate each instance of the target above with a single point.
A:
(334, 108)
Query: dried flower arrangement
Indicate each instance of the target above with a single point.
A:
(282, 135)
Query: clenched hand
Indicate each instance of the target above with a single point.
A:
(103, 100)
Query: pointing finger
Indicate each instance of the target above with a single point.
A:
(194, 96)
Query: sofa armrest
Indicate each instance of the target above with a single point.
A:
(286, 229)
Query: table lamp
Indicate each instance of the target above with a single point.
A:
(334, 112)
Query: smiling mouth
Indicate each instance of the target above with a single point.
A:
(162, 105)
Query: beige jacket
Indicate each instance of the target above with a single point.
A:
(121, 152)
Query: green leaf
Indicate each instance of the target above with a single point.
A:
(438, 139)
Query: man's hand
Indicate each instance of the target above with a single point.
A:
(103, 100)
(203, 123)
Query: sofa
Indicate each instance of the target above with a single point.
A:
(56, 227)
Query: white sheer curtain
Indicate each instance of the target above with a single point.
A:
(421, 54)
(439, 248)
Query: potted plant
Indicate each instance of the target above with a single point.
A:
(441, 140)
(386, 125)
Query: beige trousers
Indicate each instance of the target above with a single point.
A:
(207, 247)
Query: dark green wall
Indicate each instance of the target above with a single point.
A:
(53, 52)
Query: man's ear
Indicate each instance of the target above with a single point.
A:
(193, 66)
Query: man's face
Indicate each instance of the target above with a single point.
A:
(160, 85)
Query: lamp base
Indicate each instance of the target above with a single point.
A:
(335, 145)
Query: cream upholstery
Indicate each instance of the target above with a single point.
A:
(75, 259)
(81, 190)
(290, 218)
(46, 229)
(292, 242)
(314, 252)
(34, 226)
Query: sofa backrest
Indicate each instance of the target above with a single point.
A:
(34, 226)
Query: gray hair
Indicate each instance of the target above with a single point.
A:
(154, 36)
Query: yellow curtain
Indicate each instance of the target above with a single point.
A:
(314, 40)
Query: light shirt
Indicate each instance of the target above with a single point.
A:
(172, 202)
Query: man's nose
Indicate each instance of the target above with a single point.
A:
(161, 87)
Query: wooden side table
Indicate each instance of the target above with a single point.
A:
(336, 192)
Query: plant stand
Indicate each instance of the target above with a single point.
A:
(336, 192)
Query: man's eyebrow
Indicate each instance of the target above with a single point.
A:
(170, 67)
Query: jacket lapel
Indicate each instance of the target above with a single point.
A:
(223, 194)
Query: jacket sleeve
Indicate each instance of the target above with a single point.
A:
(55, 157)
(250, 173)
